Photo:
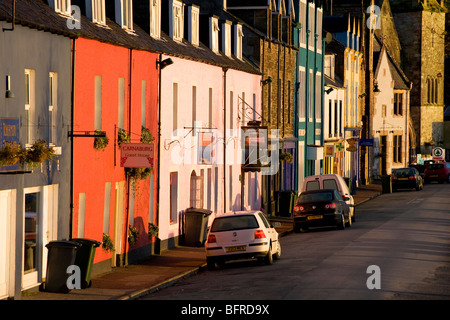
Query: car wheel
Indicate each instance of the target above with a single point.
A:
(277, 254)
(268, 259)
(341, 224)
(211, 263)
(448, 179)
(349, 223)
(354, 214)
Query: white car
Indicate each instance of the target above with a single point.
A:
(241, 235)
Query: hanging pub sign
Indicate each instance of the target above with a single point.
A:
(9, 134)
(351, 145)
(206, 150)
(137, 155)
(255, 146)
(329, 150)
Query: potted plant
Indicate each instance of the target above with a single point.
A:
(107, 243)
(100, 142)
(286, 156)
(38, 153)
(10, 154)
(133, 234)
(146, 136)
(122, 137)
(152, 230)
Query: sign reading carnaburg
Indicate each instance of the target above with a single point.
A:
(137, 155)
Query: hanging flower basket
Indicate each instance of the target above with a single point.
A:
(107, 243)
(133, 234)
(100, 143)
(122, 137)
(38, 153)
(10, 154)
(152, 230)
(286, 156)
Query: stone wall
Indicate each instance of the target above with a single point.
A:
(279, 64)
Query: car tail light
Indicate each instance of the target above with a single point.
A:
(259, 234)
(394, 178)
(298, 209)
(330, 206)
(412, 178)
(212, 238)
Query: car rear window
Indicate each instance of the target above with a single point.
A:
(322, 196)
(234, 223)
(404, 172)
(435, 166)
(330, 184)
(312, 185)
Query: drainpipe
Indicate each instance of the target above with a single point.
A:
(158, 182)
(72, 125)
(13, 4)
(225, 138)
(128, 179)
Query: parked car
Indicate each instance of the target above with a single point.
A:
(331, 181)
(420, 168)
(241, 235)
(406, 178)
(437, 172)
(320, 208)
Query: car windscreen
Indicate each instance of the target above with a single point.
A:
(312, 197)
(234, 223)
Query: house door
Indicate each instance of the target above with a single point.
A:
(383, 148)
(5, 210)
(118, 222)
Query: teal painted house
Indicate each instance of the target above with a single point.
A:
(309, 89)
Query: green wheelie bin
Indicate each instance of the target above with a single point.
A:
(85, 259)
(61, 255)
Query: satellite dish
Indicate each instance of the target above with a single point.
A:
(329, 37)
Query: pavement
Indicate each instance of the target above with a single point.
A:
(163, 270)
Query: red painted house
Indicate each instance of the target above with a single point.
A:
(115, 92)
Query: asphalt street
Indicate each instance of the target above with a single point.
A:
(398, 248)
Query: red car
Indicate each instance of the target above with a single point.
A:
(437, 172)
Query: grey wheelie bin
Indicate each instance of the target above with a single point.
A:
(85, 259)
(61, 255)
(196, 224)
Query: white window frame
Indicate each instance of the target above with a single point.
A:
(62, 6)
(124, 14)
(238, 35)
(52, 106)
(319, 21)
(98, 12)
(176, 28)
(302, 16)
(194, 26)
(214, 34)
(226, 38)
(155, 19)
(29, 105)
(311, 25)
(301, 94)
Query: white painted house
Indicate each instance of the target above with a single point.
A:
(204, 95)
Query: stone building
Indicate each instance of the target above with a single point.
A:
(421, 29)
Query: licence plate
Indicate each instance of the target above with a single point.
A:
(237, 248)
(434, 176)
(402, 178)
(314, 217)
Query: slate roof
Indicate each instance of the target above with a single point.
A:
(37, 14)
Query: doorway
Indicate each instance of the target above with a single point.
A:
(5, 211)
(383, 149)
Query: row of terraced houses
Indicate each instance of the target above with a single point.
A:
(231, 102)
